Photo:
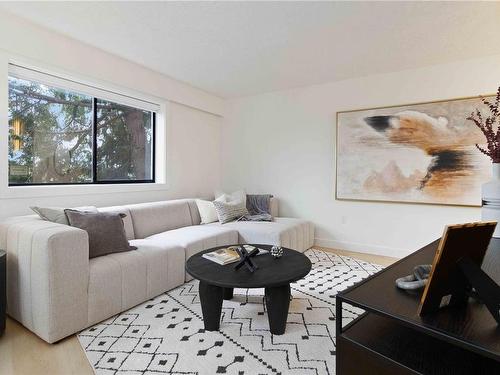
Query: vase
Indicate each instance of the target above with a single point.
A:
(490, 192)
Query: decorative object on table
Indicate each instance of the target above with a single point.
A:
(489, 126)
(416, 280)
(223, 256)
(3, 289)
(277, 251)
(249, 248)
(457, 268)
(416, 153)
(245, 258)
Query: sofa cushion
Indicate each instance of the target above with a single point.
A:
(157, 217)
(120, 281)
(193, 210)
(165, 265)
(300, 234)
(295, 234)
(273, 207)
(195, 238)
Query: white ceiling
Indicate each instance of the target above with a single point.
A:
(236, 49)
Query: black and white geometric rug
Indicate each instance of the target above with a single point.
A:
(165, 335)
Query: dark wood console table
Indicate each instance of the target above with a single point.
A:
(391, 338)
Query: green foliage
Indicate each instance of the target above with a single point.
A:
(50, 134)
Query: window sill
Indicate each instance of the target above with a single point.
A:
(55, 190)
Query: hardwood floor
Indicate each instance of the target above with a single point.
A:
(23, 353)
(377, 259)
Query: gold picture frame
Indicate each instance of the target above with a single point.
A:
(369, 177)
(446, 283)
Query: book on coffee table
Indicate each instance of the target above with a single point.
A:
(229, 254)
(223, 256)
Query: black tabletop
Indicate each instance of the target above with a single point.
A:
(292, 266)
(471, 327)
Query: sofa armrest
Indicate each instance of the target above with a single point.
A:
(47, 276)
(274, 210)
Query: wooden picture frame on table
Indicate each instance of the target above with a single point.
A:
(447, 283)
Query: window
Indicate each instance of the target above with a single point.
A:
(60, 136)
(124, 142)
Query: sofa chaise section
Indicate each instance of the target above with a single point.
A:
(293, 233)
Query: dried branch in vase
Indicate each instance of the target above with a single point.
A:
(490, 127)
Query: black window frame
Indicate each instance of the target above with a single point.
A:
(95, 181)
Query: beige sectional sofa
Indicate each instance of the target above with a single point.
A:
(55, 290)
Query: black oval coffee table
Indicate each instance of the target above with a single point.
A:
(275, 275)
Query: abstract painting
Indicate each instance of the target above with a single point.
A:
(417, 153)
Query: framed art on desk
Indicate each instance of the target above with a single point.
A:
(457, 268)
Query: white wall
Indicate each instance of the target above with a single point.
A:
(193, 135)
(284, 143)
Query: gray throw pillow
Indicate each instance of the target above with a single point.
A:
(57, 214)
(229, 211)
(106, 231)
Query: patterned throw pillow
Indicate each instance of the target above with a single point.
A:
(229, 211)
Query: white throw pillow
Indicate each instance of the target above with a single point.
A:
(208, 214)
(237, 197)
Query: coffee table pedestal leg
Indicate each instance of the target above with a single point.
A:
(228, 293)
(211, 305)
(277, 302)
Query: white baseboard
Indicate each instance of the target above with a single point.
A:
(362, 247)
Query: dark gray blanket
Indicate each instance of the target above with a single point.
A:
(258, 206)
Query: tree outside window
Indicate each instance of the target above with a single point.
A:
(52, 132)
